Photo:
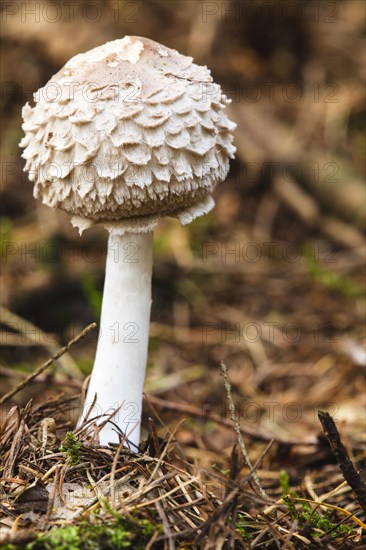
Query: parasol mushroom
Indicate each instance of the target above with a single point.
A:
(123, 134)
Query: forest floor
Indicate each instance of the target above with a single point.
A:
(258, 307)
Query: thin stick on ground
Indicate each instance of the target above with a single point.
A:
(238, 431)
(47, 364)
(345, 464)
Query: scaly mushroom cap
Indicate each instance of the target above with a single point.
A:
(127, 132)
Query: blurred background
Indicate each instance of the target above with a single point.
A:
(271, 281)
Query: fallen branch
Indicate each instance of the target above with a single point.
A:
(345, 464)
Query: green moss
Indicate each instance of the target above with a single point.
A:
(118, 533)
(65, 538)
(322, 522)
(285, 482)
(244, 528)
(72, 448)
(306, 515)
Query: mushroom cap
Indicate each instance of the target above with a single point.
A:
(127, 132)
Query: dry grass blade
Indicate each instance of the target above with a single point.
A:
(47, 364)
(238, 432)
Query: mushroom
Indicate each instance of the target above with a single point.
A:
(123, 134)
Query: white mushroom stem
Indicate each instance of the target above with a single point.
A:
(119, 370)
